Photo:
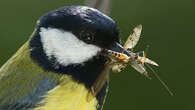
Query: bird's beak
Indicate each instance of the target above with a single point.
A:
(119, 48)
(117, 53)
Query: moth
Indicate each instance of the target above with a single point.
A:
(137, 60)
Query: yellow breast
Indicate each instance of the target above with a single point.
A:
(68, 95)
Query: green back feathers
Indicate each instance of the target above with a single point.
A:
(20, 75)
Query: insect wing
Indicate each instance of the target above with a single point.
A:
(133, 38)
(140, 68)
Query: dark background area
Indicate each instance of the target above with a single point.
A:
(168, 27)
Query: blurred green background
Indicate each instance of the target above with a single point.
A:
(168, 27)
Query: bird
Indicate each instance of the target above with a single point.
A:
(62, 66)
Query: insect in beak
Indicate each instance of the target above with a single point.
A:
(121, 56)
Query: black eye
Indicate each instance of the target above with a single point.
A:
(86, 37)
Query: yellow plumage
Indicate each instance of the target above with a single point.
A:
(69, 95)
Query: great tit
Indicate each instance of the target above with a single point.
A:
(62, 66)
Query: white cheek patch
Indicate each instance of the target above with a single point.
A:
(66, 47)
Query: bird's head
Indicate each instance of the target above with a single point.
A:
(70, 41)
